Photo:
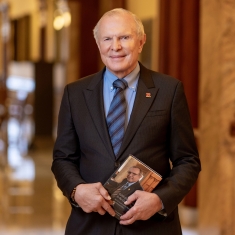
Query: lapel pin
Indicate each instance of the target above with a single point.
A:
(148, 95)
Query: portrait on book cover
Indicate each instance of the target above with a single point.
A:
(132, 175)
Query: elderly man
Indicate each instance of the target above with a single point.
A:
(124, 109)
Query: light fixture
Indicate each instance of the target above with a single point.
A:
(62, 16)
(67, 18)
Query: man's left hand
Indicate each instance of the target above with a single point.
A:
(146, 205)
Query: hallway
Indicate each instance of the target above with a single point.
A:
(200, 52)
(30, 200)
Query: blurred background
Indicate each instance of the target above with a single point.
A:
(45, 44)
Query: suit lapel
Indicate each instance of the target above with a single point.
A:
(95, 103)
(146, 93)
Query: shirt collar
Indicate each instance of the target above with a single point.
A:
(131, 78)
(129, 183)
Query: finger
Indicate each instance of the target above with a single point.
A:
(109, 209)
(127, 221)
(101, 211)
(104, 193)
(129, 214)
(132, 198)
(110, 202)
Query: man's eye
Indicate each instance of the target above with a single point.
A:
(125, 37)
(106, 39)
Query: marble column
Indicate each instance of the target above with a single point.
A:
(217, 116)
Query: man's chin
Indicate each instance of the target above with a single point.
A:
(116, 67)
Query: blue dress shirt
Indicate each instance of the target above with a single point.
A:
(130, 92)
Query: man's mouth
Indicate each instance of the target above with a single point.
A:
(116, 56)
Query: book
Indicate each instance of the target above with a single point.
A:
(132, 175)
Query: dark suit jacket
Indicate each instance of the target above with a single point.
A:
(159, 129)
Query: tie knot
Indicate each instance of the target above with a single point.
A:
(120, 83)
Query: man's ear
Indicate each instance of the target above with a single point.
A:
(142, 42)
(97, 43)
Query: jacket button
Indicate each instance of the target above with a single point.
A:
(117, 164)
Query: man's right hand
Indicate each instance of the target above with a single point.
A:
(93, 198)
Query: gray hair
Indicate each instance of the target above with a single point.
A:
(119, 11)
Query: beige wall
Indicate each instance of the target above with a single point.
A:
(144, 9)
(21, 8)
(50, 32)
(217, 109)
(148, 9)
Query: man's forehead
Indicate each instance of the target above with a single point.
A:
(119, 19)
(116, 28)
(135, 169)
(120, 15)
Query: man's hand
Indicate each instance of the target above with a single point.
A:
(93, 198)
(146, 205)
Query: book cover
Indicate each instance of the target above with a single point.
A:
(132, 175)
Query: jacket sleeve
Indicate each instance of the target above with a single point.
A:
(66, 153)
(183, 154)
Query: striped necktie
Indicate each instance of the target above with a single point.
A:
(117, 115)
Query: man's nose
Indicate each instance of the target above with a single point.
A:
(116, 45)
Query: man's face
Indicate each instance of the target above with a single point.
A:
(119, 44)
(133, 175)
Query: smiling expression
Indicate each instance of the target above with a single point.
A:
(133, 175)
(119, 44)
